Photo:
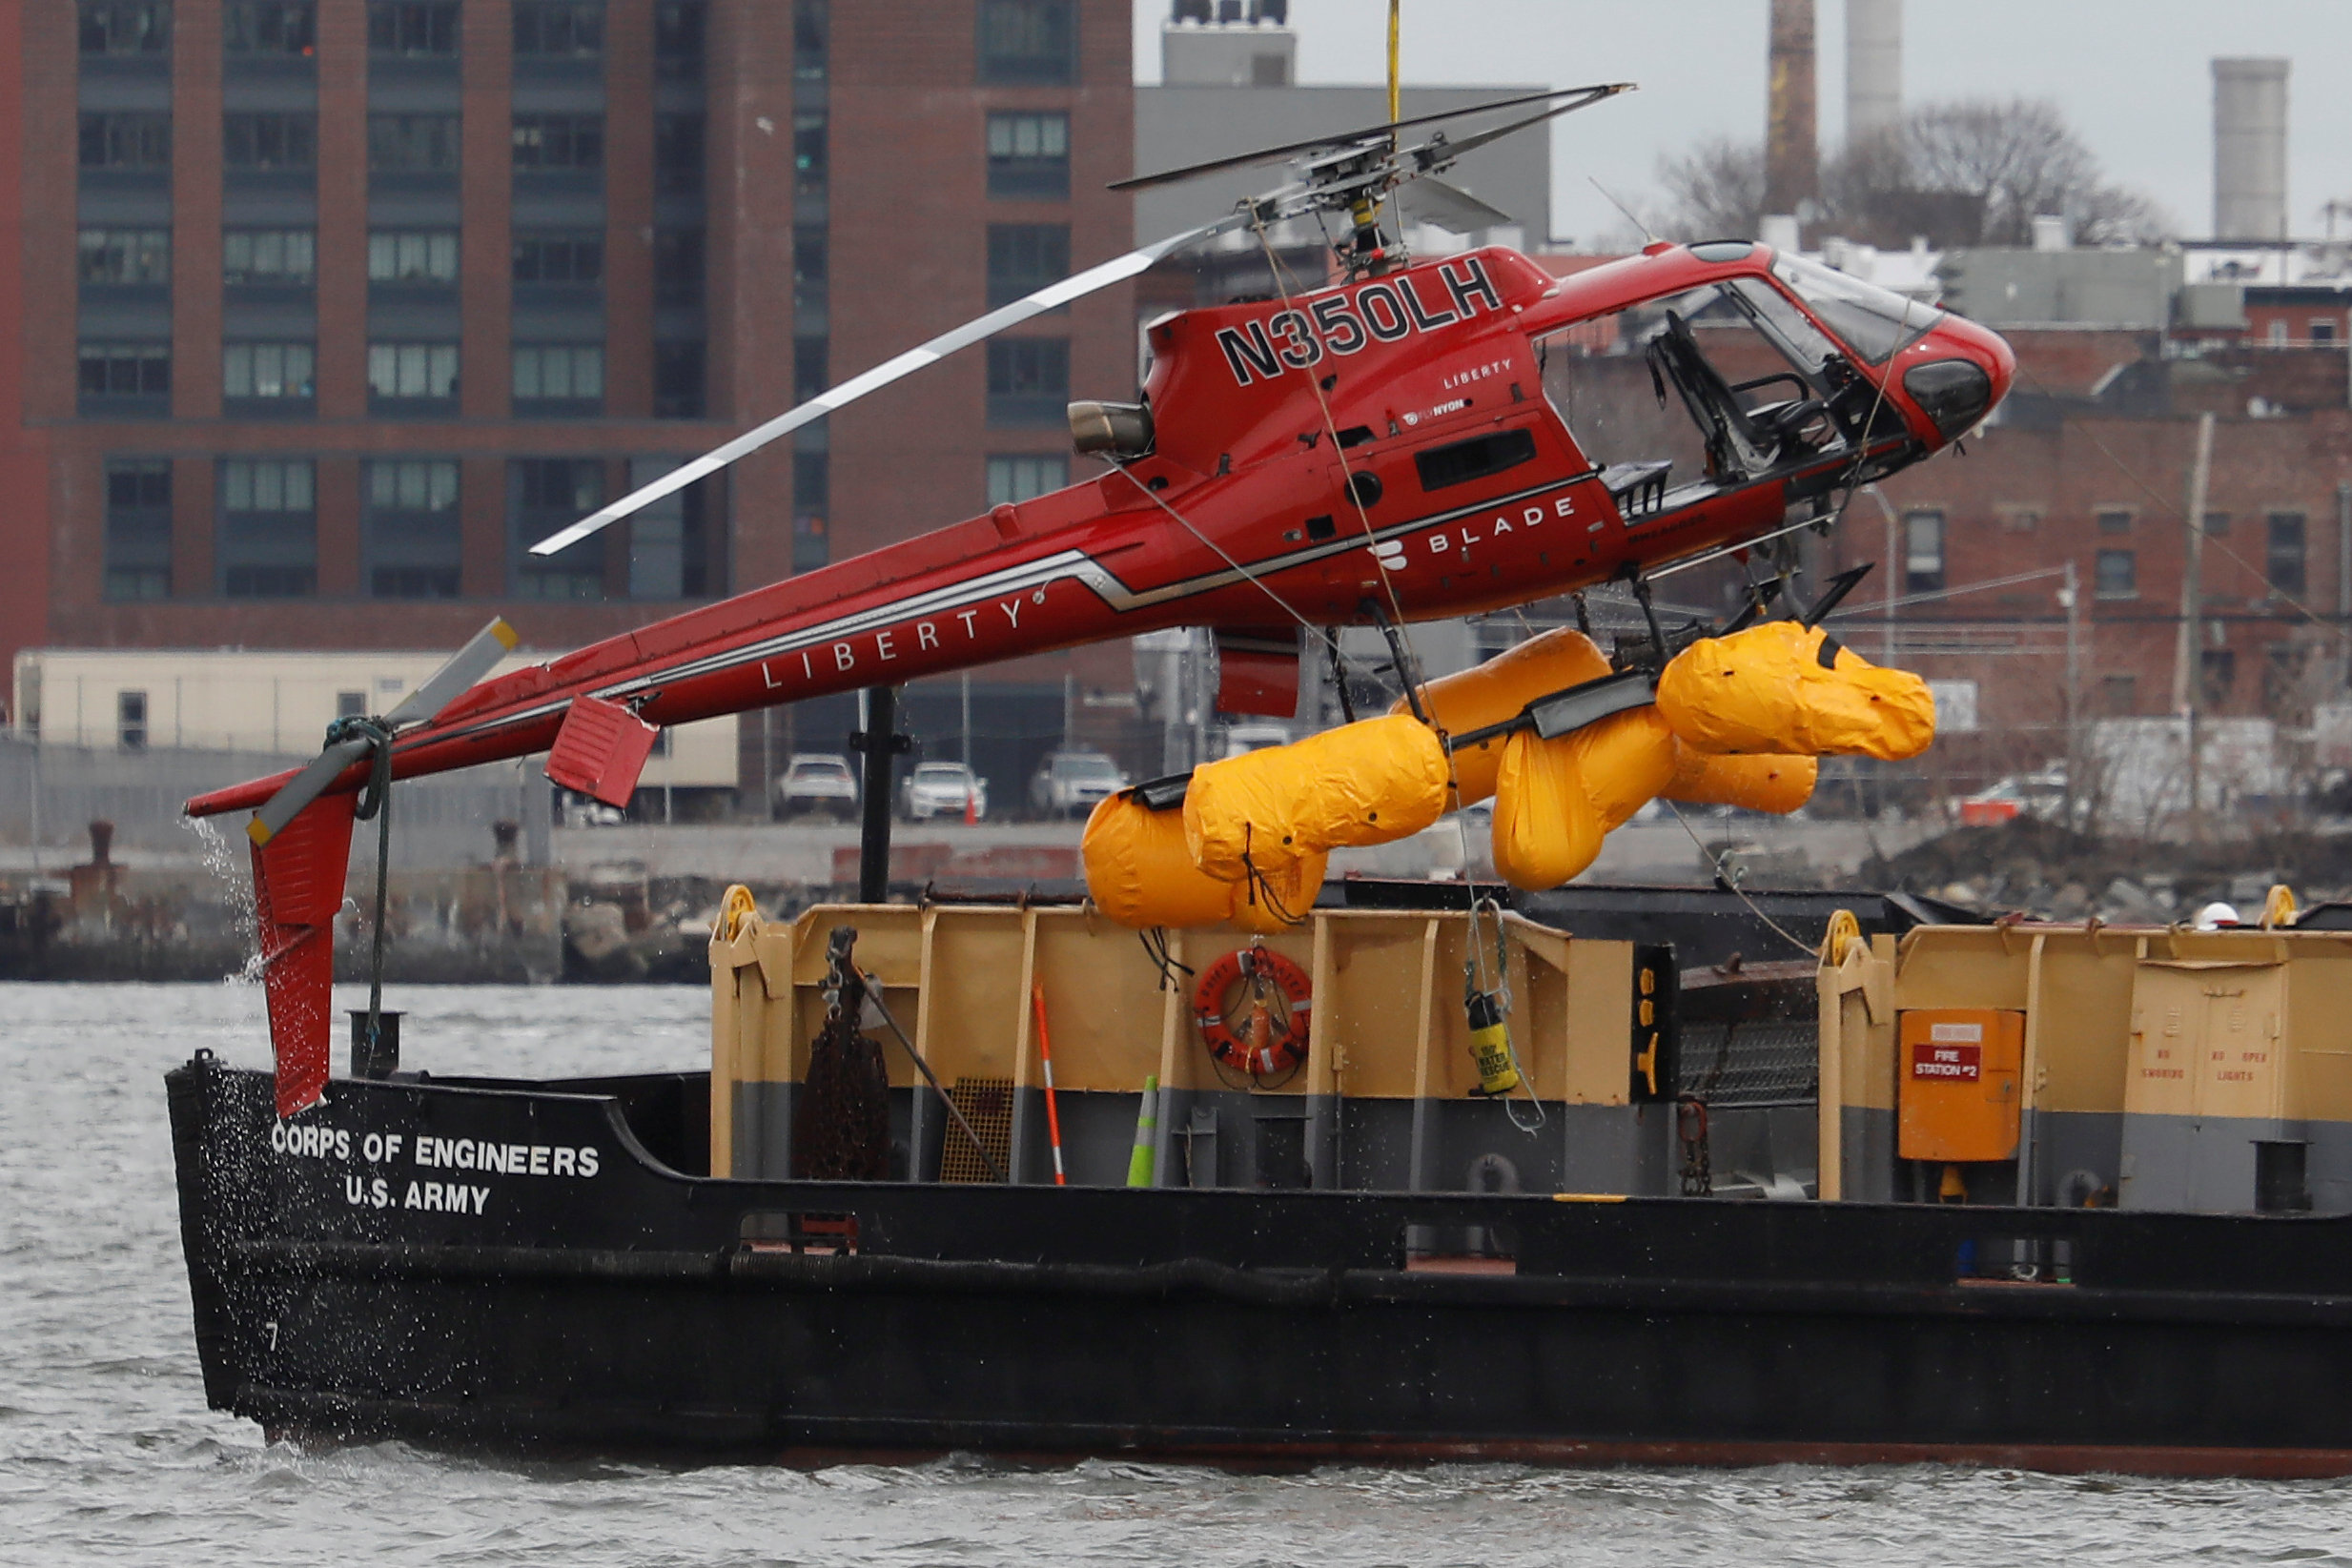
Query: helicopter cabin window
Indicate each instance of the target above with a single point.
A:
(1462, 461)
(1706, 388)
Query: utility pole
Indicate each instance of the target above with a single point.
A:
(2071, 601)
(2188, 668)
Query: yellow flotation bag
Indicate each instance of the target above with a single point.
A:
(1759, 783)
(1140, 874)
(1788, 688)
(1372, 782)
(1556, 800)
(1489, 693)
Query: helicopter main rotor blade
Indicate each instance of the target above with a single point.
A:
(457, 675)
(467, 666)
(1275, 154)
(1446, 206)
(1434, 155)
(1050, 298)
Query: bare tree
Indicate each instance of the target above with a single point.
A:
(1716, 189)
(1970, 172)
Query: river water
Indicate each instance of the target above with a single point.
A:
(107, 1453)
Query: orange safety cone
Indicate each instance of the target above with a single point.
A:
(972, 805)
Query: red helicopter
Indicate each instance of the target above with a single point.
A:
(1398, 440)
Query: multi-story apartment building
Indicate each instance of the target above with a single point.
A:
(319, 311)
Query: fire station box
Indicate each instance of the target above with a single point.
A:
(1957, 1082)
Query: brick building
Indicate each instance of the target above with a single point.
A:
(316, 314)
(2090, 462)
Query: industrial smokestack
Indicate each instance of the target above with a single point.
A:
(1873, 68)
(2249, 149)
(1791, 146)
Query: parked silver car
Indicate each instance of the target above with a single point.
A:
(817, 782)
(1069, 784)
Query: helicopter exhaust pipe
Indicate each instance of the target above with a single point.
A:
(1116, 430)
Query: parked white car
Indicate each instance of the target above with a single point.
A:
(817, 782)
(1070, 784)
(941, 789)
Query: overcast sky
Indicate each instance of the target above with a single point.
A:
(2132, 75)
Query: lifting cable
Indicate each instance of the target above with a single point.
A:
(1722, 880)
(375, 801)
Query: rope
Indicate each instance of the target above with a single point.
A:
(1716, 860)
(1252, 578)
(375, 801)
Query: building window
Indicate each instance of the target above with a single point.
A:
(546, 493)
(810, 359)
(2323, 329)
(268, 26)
(678, 380)
(558, 141)
(2218, 667)
(413, 256)
(414, 540)
(130, 719)
(1020, 476)
(138, 528)
(266, 370)
(412, 143)
(2116, 575)
(679, 26)
(350, 705)
(2216, 525)
(1028, 41)
(559, 258)
(678, 266)
(678, 154)
(1029, 156)
(126, 27)
(811, 39)
(267, 539)
(125, 256)
(568, 29)
(122, 371)
(811, 266)
(1923, 551)
(2118, 695)
(412, 27)
(809, 172)
(668, 559)
(409, 373)
(559, 377)
(269, 257)
(2020, 519)
(811, 501)
(128, 141)
(271, 139)
(1024, 257)
(1029, 382)
(2278, 333)
(2283, 557)
(2114, 520)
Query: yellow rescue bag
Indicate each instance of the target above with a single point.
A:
(1372, 782)
(1788, 688)
(1140, 874)
(1556, 800)
(1759, 783)
(1278, 900)
(1489, 693)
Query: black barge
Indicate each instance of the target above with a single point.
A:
(1325, 1267)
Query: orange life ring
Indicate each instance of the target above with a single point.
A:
(1283, 1043)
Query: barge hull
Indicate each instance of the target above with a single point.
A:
(638, 1309)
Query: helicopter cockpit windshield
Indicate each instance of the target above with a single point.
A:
(1712, 387)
